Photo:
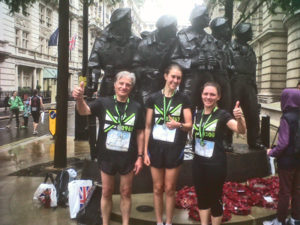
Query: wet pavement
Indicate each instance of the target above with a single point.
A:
(23, 150)
(16, 134)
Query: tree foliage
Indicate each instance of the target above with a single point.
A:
(16, 6)
(288, 7)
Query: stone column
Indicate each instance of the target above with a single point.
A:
(34, 78)
(292, 24)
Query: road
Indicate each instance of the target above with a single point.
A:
(13, 134)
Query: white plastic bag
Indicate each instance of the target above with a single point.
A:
(78, 192)
(272, 165)
(41, 194)
(42, 117)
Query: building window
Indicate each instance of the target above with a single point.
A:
(22, 38)
(42, 14)
(25, 40)
(18, 34)
(49, 18)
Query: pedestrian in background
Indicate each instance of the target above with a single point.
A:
(288, 162)
(36, 103)
(26, 112)
(14, 103)
(298, 85)
(6, 102)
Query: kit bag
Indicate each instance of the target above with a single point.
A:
(45, 194)
(78, 193)
(61, 184)
(90, 213)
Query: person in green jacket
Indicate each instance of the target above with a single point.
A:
(14, 103)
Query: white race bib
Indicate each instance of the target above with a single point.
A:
(118, 140)
(206, 149)
(163, 133)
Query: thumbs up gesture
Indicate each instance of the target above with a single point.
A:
(237, 112)
(78, 91)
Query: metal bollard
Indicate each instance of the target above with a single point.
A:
(265, 130)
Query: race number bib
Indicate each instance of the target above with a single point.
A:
(205, 149)
(118, 140)
(34, 109)
(163, 133)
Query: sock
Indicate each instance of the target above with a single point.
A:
(159, 223)
(168, 224)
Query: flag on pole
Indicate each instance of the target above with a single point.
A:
(53, 38)
(72, 42)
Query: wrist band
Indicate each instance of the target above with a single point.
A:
(140, 155)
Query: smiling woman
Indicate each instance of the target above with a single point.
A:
(153, 9)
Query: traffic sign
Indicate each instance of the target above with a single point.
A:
(52, 121)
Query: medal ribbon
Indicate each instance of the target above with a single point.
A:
(201, 127)
(121, 118)
(166, 109)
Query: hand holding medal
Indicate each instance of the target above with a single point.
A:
(172, 124)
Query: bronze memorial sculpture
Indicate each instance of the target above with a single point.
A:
(243, 81)
(203, 57)
(112, 52)
(222, 32)
(197, 52)
(153, 55)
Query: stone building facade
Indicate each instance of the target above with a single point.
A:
(276, 42)
(26, 60)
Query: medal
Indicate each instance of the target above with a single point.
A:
(119, 127)
(202, 126)
(167, 107)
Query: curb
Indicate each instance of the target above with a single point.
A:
(7, 147)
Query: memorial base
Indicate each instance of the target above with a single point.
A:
(242, 164)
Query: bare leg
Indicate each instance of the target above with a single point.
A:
(216, 220)
(106, 199)
(158, 190)
(125, 191)
(35, 126)
(204, 216)
(170, 189)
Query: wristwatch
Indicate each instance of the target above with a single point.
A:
(181, 125)
(141, 155)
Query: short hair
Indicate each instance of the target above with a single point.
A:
(213, 84)
(35, 92)
(122, 74)
(172, 66)
(298, 83)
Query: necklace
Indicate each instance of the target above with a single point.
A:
(121, 118)
(166, 107)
